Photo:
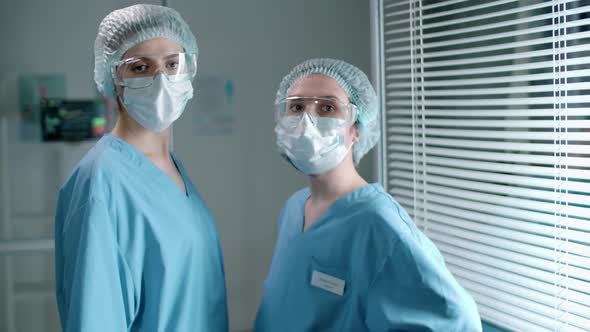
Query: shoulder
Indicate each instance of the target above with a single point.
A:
(296, 201)
(93, 176)
(299, 197)
(293, 207)
(408, 245)
(407, 241)
(389, 220)
(389, 224)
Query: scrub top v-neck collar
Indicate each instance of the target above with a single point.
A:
(148, 166)
(349, 198)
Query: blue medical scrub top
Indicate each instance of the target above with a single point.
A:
(363, 266)
(133, 251)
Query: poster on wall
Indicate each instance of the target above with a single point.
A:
(214, 106)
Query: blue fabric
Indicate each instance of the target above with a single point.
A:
(133, 251)
(395, 278)
(489, 327)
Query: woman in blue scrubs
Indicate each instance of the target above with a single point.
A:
(136, 246)
(348, 257)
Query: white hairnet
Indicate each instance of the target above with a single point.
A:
(359, 89)
(124, 28)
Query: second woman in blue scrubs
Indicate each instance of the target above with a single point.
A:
(348, 257)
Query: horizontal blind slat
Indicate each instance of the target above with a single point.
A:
(536, 322)
(492, 68)
(475, 18)
(482, 113)
(480, 186)
(475, 242)
(544, 313)
(489, 37)
(528, 181)
(515, 225)
(487, 91)
(520, 231)
(526, 271)
(495, 47)
(502, 200)
(489, 145)
(507, 320)
(487, 80)
(515, 135)
(507, 213)
(458, 123)
(465, 274)
(485, 155)
(548, 288)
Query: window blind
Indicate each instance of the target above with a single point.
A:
(486, 143)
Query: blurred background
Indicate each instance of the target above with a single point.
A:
(225, 138)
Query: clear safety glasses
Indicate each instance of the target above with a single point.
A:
(317, 107)
(139, 72)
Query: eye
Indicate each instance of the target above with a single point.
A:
(173, 64)
(328, 108)
(296, 107)
(139, 68)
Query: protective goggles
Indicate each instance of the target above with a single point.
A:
(317, 107)
(139, 72)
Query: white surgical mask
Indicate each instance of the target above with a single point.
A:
(157, 106)
(313, 146)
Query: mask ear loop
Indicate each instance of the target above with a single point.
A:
(116, 84)
(355, 122)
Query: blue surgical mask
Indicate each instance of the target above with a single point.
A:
(157, 106)
(312, 145)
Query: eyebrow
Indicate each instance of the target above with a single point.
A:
(330, 97)
(138, 58)
(151, 56)
(326, 97)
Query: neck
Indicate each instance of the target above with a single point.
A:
(335, 183)
(152, 144)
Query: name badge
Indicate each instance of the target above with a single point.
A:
(327, 283)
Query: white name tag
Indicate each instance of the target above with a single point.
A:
(327, 283)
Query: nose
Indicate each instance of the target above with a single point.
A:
(307, 119)
(313, 108)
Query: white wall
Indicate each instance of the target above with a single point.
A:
(254, 43)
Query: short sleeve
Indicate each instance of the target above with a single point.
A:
(94, 287)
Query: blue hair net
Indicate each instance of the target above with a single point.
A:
(125, 28)
(359, 89)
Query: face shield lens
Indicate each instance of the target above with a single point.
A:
(139, 72)
(293, 108)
